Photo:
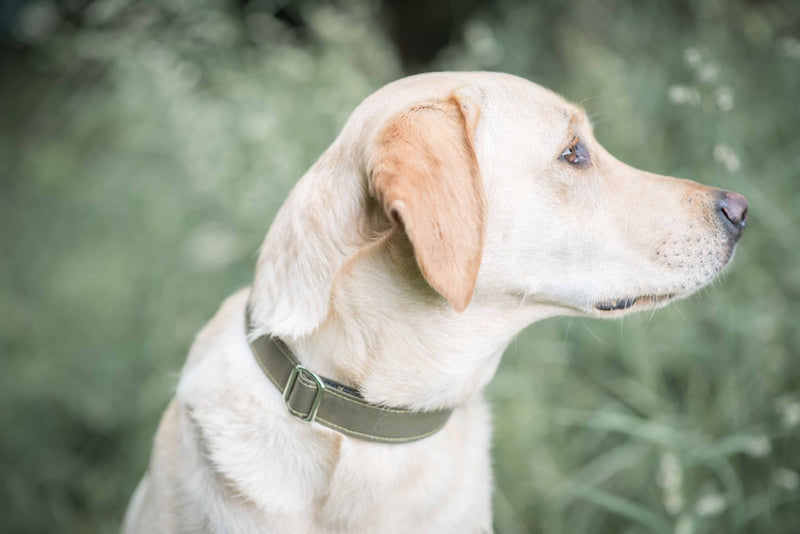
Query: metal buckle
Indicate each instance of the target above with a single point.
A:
(287, 392)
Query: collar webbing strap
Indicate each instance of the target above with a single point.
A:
(318, 399)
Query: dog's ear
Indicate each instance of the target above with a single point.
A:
(425, 173)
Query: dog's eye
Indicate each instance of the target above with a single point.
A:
(576, 153)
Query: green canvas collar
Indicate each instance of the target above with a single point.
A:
(314, 398)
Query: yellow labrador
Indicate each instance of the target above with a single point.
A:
(453, 210)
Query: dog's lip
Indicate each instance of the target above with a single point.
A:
(616, 304)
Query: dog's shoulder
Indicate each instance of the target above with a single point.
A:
(226, 325)
(220, 366)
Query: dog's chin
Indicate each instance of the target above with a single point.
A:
(615, 307)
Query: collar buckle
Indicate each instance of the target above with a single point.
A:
(290, 384)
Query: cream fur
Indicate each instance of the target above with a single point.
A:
(339, 280)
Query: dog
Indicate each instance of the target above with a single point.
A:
(453, 210)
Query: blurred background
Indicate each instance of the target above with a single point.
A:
(145, 147)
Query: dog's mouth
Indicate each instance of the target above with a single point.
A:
(628, 302)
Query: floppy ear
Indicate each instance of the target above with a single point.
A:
(425, 173)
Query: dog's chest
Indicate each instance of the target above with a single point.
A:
(295, 475)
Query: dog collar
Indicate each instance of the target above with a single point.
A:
(314, 398)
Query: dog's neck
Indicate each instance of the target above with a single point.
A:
(388, 334)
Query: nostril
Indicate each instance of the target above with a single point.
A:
(734, 216)
(734, 208)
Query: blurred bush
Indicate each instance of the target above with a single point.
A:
(145, 147)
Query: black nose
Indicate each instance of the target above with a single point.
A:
(733, 212)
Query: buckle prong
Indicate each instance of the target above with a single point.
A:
(287, 392)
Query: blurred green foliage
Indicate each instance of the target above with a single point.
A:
(143, 157)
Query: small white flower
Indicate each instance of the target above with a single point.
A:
(708, 72)
(670, 472)
(790, 47)
(675, 93)
(670, 478)
(759, 446)
(724, 97)
(791, 415)
(683, 94)
(789, 411)
(711, 504)
(692, 57)
(35, 21)
(673, 502)
(725, 155)
(786, 478)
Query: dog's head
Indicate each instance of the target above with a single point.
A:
(487, 192)
(503, 191)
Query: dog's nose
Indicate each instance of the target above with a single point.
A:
(732, 209)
